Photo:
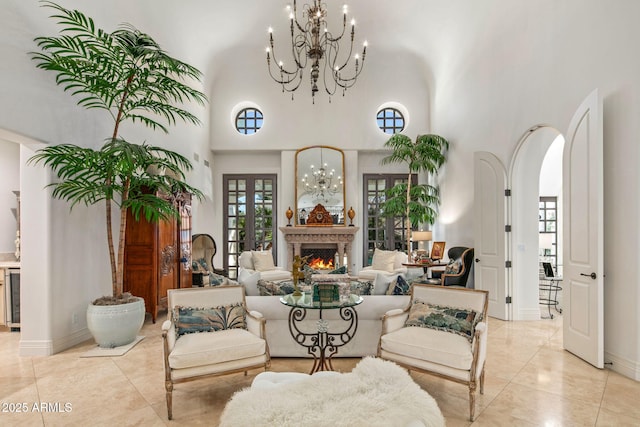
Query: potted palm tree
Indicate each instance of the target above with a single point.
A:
(417, 203)
(126, 74)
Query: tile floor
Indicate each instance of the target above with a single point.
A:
(530, 381)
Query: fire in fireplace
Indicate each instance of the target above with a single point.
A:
(320, 258)
(320, 264)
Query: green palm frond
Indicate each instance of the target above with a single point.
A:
(125, 71)
(418, 203)
(128, 75)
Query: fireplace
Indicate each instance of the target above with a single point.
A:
(321, 258)
(321, 241)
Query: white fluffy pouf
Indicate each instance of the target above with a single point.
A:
(375, 393)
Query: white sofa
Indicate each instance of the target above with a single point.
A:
(256, 265)
(386, 264)
(276, 314)
(364, 343)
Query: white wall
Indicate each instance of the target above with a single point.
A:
(347, 122)
(534, 62)
(10, 182)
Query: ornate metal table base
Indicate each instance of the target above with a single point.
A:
(322, 344)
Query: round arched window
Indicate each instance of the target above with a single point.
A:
(249, 121)
(390, 120)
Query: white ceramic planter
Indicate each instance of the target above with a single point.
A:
(115, 325)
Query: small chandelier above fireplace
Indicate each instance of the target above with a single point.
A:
(323, 182)
(312, 41)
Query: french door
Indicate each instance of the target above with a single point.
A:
(382, 232)
(249, 216)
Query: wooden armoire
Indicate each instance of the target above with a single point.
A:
(157, 256)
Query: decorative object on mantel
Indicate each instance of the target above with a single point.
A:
(289, 215)
(417, 203)
(319, 216)
(351, 214)
(314, 42)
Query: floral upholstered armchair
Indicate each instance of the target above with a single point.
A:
(210, 332)
(443, 331)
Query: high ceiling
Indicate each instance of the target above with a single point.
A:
(203, 32)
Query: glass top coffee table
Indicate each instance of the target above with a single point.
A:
(322, 344)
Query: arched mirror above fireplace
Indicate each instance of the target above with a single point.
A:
(320, 180)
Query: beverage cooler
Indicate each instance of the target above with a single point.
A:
(12, 298)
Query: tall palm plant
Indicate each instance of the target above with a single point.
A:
(126, 74)
(417, 203)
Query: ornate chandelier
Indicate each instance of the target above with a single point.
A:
(322, 183)
(313, 42)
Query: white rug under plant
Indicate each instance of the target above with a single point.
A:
(375, 393)
(111, 352)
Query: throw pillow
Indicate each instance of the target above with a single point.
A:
(203, 264)
(361, 288)
(383, 260)
(245, 260)
(382, 282)
(399, 286)
(216, 279)
(262, 260)
(249, 279)
(454, 266)
(459, 321)
(189, 320)
(267, 288)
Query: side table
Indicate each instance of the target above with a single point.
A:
(549, 295)
(425, 266)
(322, 344)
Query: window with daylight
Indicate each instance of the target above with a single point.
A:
(249, 121)
(382, 232)
(547, 226)
(390, 120)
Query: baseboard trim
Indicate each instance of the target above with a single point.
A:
(69, 341)
(623, 366)
(35, 348)
(50, 347)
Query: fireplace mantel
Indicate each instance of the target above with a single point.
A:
(341, 236)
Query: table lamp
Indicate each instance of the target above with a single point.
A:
(422, 236)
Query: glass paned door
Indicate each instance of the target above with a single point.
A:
(250, 221)
(382, 232)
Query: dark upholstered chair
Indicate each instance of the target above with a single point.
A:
(465, 255)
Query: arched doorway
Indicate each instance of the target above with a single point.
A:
(583, 228)
(535, 171)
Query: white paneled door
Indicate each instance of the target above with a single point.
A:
(489, 230)
(583, 234)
